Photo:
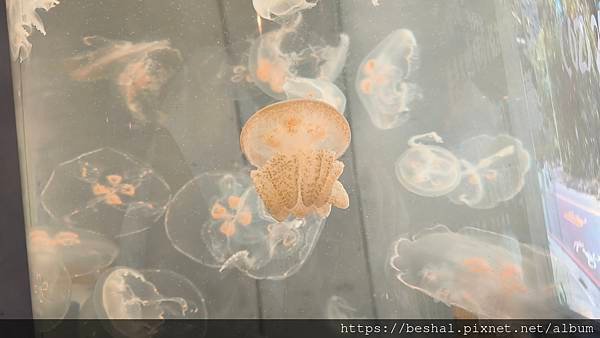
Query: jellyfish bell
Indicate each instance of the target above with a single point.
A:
(82, 252)
(107, 192)
(315, 89)
(295, 144)
(484, 273)
(428, 170)
(383, 80)
(493, 170)
(218, 220)
(278, 9)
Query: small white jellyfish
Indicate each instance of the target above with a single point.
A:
(315, 89)
(295, 144)
(428, 170)
(493, 171)
(275, 9)
(22, 20)
(81, 252)
(139, 70)
(157, 295)
(484, 273)
(106, 191)
(218, 220)
(50, 285)
(383, 80)
(271, 65)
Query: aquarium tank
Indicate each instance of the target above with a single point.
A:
(193, 159)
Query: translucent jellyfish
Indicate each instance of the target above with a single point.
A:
(217, 219)
(50, 285)
(484, 273)
(494, 171)
(428, 170)
(303, 88)
(272, 9)
(139, 70)
(82, 252)
(106, 191)
(271, 65)
(295, 144)
(22, 19)
(124, 293)
(383, 80)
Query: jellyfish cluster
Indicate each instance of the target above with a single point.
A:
(106, 191)
(56, 255)
(218, 220)
(485, 273)
(383, 80)
(488, 170)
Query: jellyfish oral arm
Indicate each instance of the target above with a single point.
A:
(488, 161)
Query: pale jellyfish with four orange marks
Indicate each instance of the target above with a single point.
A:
(428, 169)
(106, 191)
(271, 66)
(218, 220)
(275, 9)
(485, 273)
(493, 171)
(295, 146)
(139, 70)
(383, 80)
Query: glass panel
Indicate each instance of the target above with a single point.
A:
(309, 159)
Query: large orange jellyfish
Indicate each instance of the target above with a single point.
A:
(295, 144)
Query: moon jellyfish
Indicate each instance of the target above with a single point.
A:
(124, 293)
(484, 273)
(271, 65)
(428, 170)
(272, 9)
(82, 252)
(106, 191)
(295, 145)
(494, 171)
(303, 88)
(218, 220)
(22, 19)
(383, 80)
(50, 285)
(139, 70)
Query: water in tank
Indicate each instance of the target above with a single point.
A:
(309, 159)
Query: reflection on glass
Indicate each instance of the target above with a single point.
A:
(428, 170)
(274, 9)
(383, 79)
(23, 18)
(494, 171)
(106, 191)
(139, 70)
(487, 274)
(295, 144)
(271, 65)
(339, 308)
(217, 219)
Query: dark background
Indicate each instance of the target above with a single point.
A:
(15, 301)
